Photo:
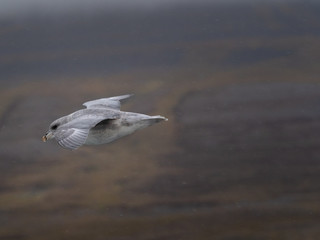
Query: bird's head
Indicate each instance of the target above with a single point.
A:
(52, 129)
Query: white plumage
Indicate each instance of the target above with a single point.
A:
(101, 122)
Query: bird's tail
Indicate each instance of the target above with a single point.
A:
(159, 118)
(154, 119)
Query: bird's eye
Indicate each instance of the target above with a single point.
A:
(54, 127)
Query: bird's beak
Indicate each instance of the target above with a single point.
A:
(47, 136)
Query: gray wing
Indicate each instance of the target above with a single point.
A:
(71, 138)
(74, 133)
(112, 102)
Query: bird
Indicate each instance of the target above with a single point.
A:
(100, 122)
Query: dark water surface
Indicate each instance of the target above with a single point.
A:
(238, 159)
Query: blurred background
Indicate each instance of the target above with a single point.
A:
(239, 157)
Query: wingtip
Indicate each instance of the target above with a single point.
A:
(121, 97)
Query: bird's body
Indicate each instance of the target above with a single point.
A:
(101, 122)
(110, 130)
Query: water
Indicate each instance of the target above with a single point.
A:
(238, 158)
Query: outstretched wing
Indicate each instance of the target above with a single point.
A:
(112, 102)
(74, 133)
(71, 138)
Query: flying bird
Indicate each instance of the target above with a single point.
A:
(100, 122)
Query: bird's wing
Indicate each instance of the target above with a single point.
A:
(112, 102)
(88, 118)
(74, 133)
(71, 138)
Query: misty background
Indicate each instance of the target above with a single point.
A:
(238, 158)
